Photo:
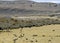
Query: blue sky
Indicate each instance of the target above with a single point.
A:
(54, 1)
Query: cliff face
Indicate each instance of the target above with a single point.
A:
(28, 7)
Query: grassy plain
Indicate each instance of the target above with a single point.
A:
(44, 34)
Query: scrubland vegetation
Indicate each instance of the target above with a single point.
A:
(17, 18)
(12, 23)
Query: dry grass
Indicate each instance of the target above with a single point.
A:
(44, 34)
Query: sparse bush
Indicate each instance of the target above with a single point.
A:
(14, 23)
(52, 15)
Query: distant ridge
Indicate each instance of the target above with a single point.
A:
(28, 7)
(24, 2)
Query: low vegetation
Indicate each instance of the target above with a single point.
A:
(11, 23)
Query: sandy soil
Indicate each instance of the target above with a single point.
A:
(44, 34)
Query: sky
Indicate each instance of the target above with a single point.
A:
(13, 0)
(54, 1)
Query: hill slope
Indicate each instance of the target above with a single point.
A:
(28, 7)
